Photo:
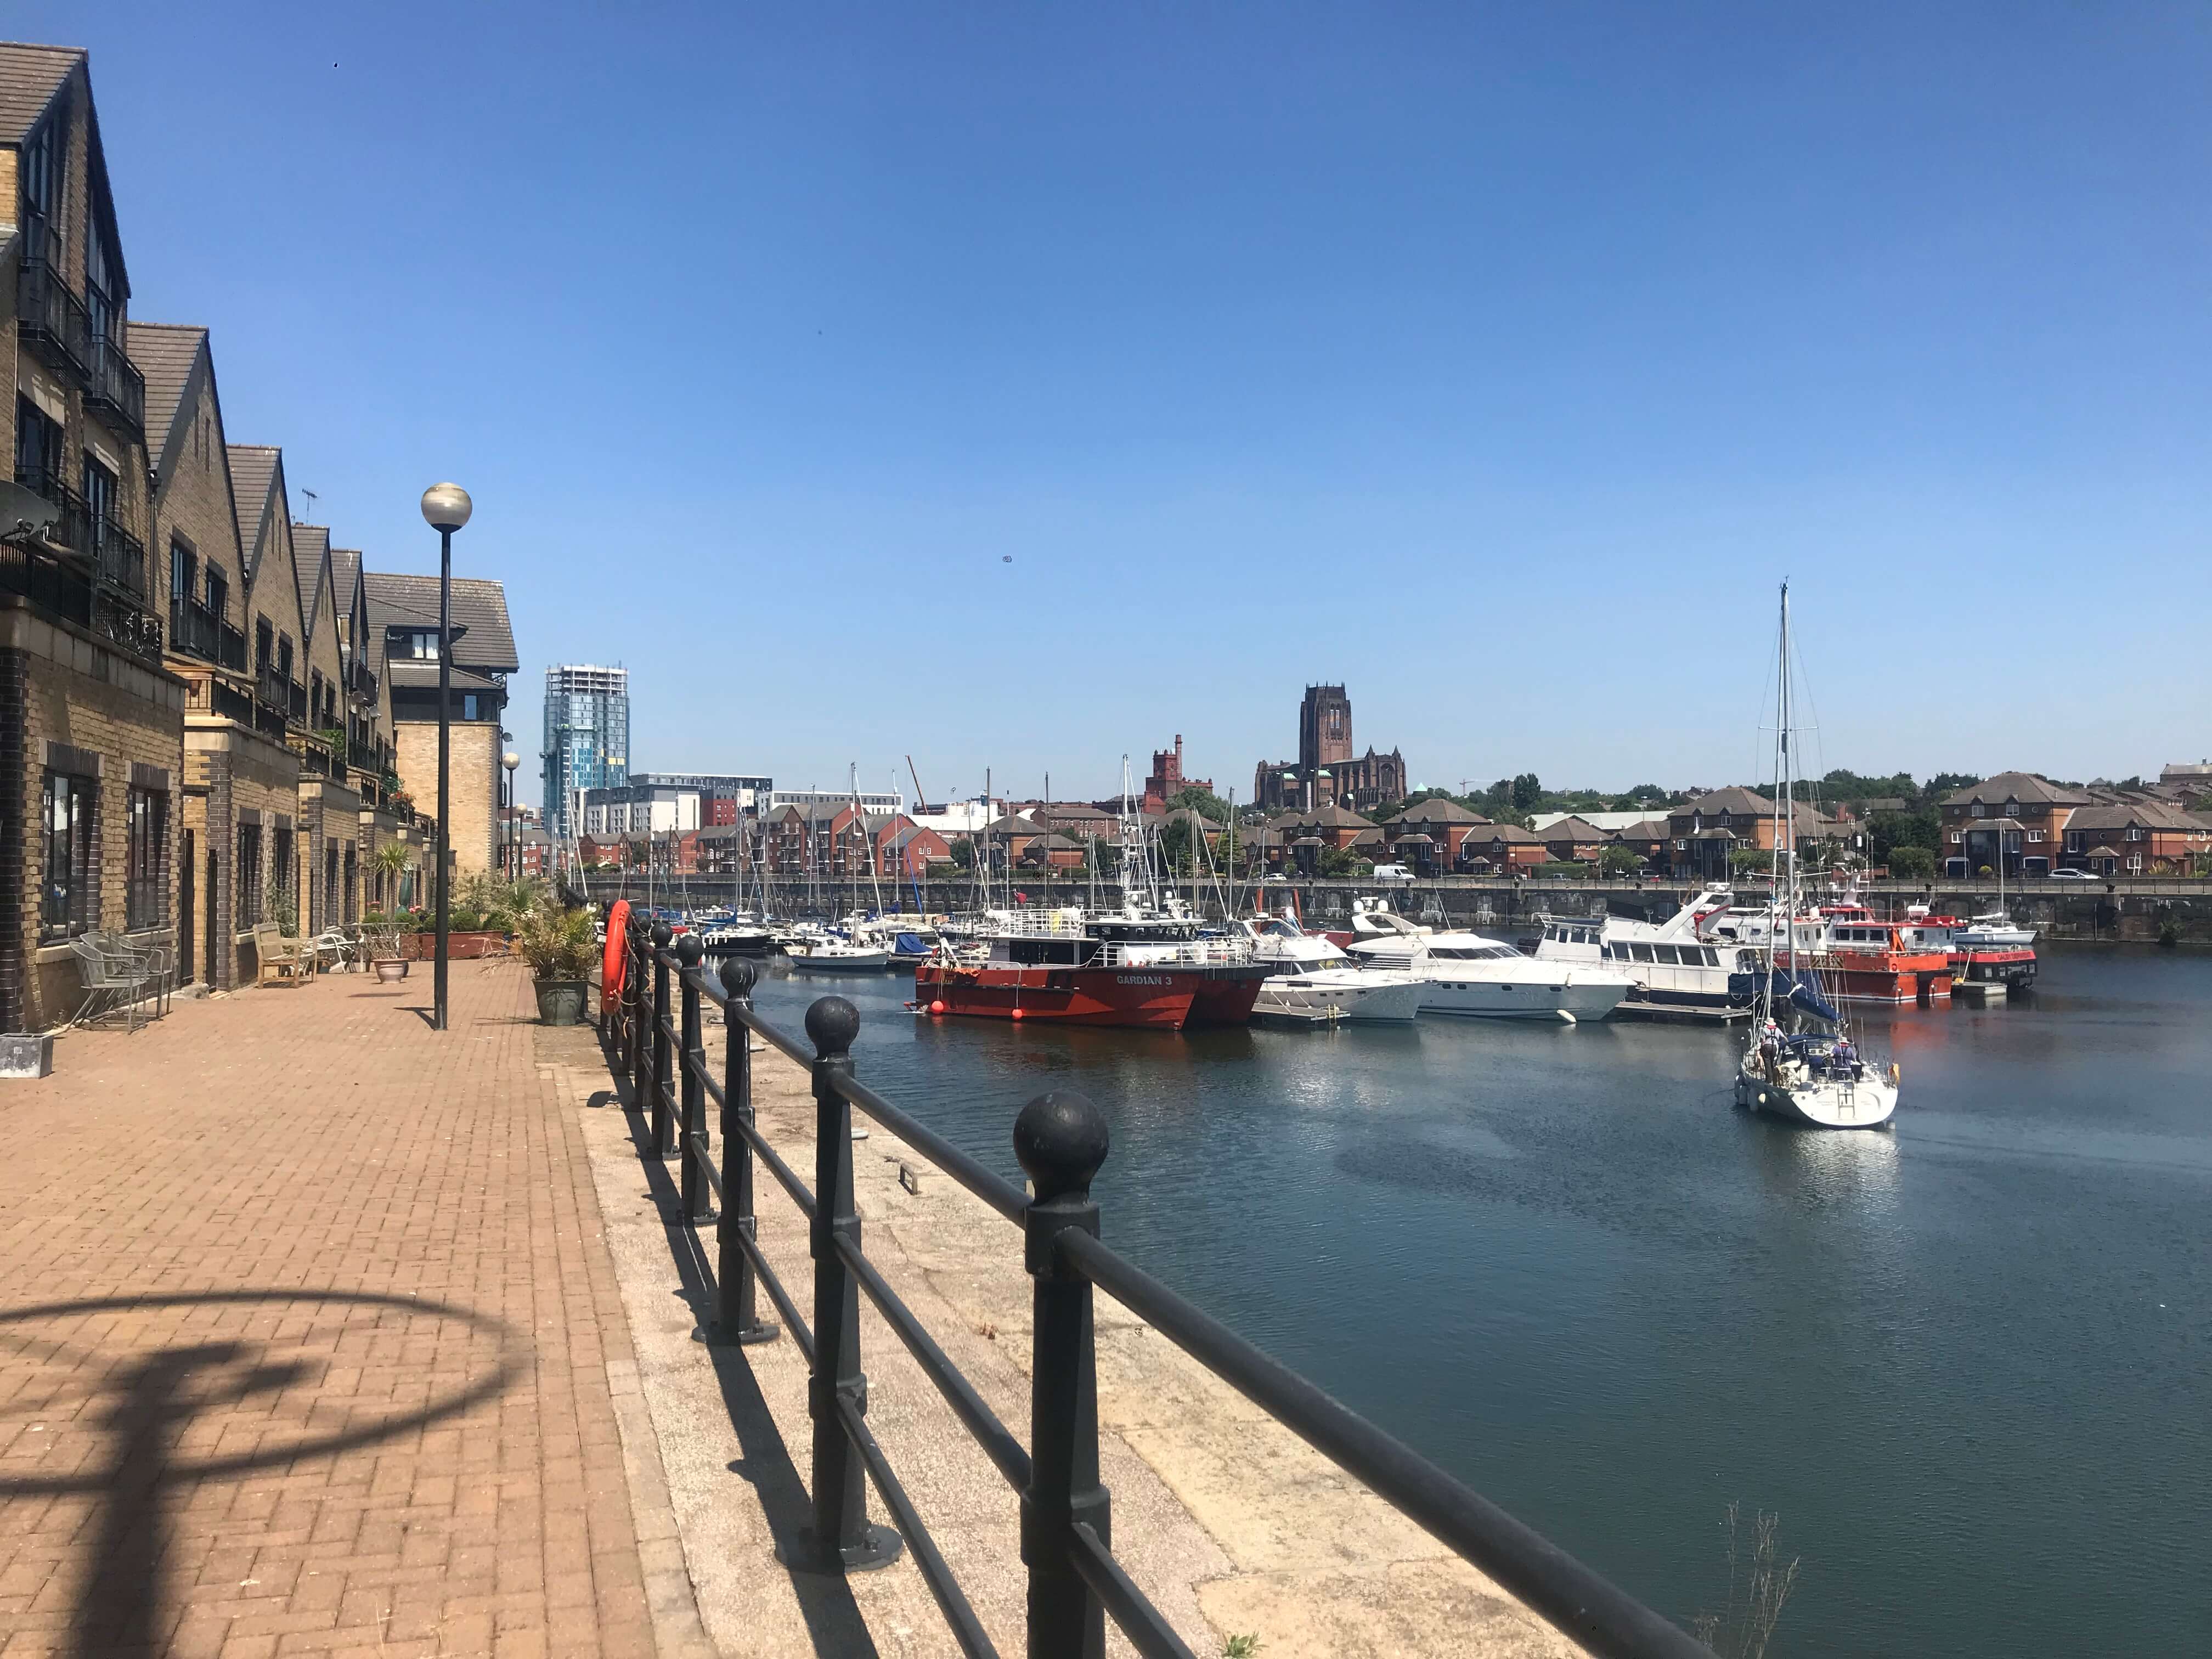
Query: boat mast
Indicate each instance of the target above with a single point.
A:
(1787, 829)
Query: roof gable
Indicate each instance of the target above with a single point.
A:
(479, 606)
(2016, 786)
(174, 358)
(253, 477)
(31, 77)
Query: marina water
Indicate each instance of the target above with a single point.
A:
(1968, 1362)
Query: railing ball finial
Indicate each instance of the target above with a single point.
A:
(738, 976)
(1061, 1140)
(689, 951)
(662, 932)
(832, 1023)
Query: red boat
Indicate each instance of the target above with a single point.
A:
(2013, 966)
(1128, 968)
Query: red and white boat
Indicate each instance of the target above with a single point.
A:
(1859, 956)
(1975, 957)
(1129, 967)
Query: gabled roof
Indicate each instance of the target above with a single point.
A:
(1650, 830)
(2152, 815)
(311, 559)
(345, 575)
(1570, 828)
(165, 354)
(252, 475)
(1013, 825)
(1733, 800)
(1508, 833)
(2016, 786)
(479, 606)
(1437, 810)
(1331, 816)
(29, 78)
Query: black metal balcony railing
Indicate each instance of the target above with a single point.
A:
(296, 703)
(195, 631)
(1075, 1582)
(114, 388)
(118, 556)
(364, 754)
(49, 318)
(231, 651)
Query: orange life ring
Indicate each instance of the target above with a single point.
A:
(614, 961)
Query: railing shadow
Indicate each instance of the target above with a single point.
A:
(146, 1406)
(833, 1623)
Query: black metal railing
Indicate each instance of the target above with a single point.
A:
(230, 651)
(295, 701)
(113, 384)
(195, 631)
(118, 556)
(50, 316)
(653, 1029)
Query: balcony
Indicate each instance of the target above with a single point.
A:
(195, 631)
(98, 583)
(295, 703)
(49, 318)
(231, 653)
(115, 388)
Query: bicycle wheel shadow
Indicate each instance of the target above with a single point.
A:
(146, 1406)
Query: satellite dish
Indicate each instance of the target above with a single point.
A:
(24, 513)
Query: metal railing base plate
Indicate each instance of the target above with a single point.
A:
(880, 1547)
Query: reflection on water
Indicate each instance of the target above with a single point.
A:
(1963, 1359)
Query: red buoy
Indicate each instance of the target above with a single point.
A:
(1018, 1013)
(938, 1006)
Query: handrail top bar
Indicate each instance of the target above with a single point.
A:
(978, 1177)
(1575, 1598)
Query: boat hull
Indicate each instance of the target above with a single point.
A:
(859, 962)
(1819, 1103)
(1522, 999)
(1297, 998)
(1133, 997)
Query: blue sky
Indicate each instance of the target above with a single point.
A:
(1496, 360)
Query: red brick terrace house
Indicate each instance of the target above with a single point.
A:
(1703, 834)
(1647, 840)
(1573, 840)
(1333, 826)
(1446, 825)
(2135, 838)
(1502, 849)
(2015, 816)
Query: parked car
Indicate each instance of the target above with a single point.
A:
(2072, 875)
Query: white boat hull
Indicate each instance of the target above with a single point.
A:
(1303, 999)
(841, 961)
(1819, 1103)
(1517, 999)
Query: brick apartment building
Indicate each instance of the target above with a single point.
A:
(91, 728)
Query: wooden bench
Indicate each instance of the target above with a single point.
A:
(279, 960)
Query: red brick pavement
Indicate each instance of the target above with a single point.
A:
(305, 1316)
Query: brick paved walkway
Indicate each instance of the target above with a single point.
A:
(305, 1324)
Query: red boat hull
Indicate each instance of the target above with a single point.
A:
(1890, 976)
(1168, 997)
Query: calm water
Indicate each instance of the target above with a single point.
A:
(1966, 1362)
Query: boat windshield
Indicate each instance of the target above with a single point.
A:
(1472, 952)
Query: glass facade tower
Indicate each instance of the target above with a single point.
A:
(586, 739)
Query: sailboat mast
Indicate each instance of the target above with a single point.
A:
(1787, 829)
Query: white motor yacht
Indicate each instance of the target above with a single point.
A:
(1483, 978)
(1671, 966)
(837, 956)
(1315, 983)
(1993, 930)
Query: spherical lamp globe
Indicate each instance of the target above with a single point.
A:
(510, 760)
(445, 507)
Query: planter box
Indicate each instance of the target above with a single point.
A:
(27, 1054)
(459, 947)
(562, 1001)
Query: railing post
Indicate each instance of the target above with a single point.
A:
(841, 1538)
(691, 1176)
(664, 1076)
(735, 1317)
(634, 1011)
(1061, 1138)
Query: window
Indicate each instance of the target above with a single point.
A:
(42, 167)
(329, 913)
(264, 642)
(1980, 811)
(315, 695)
(2136, 832)
(2035, 835)
(146, 859)
(217, 590)
(184, 572)
(69, 901)
(420, 643)
(1643, 953)
(37, 447)
(102, 300)
(246, 883)
(284, 872)
(1956, 837)
(284, 658)
(99, 497)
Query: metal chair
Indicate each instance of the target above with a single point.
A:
(114, 982)
(341, 947)
(154, 960)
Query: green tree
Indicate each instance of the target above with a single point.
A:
(1617, 862)
(1204, 802)
(1911, 863)
(1888, 831)
(963, 853)
(1527, 792)
(1751, 861)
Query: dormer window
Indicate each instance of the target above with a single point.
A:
(1980, 811)
(420, 643)
(2012, 808)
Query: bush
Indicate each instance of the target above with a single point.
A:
(1911, 863)
(558, 944)
(1616, 861)
(1567, 869)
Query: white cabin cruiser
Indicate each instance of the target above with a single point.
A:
(1993, 930)
(1469, 975)
(1671, 966)
(1313, 983)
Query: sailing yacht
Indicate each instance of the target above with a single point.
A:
(1800, 1062)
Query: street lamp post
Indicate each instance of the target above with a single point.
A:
(445, 509)
(510, 760)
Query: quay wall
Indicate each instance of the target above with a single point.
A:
(2130, 911)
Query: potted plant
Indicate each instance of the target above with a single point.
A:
(381, 943)
(561, 947)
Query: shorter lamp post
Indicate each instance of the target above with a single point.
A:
(510, 760)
